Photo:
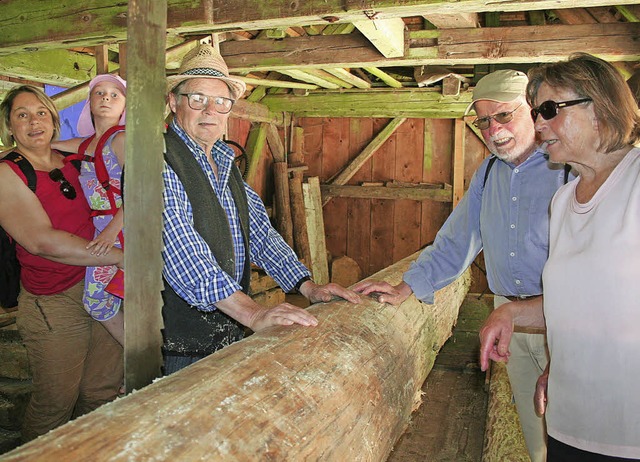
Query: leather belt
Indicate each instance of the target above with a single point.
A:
(519, 298)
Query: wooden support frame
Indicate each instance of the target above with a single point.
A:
(344, 390)
(350, 170)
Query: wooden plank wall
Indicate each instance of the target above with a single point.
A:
(377, 232)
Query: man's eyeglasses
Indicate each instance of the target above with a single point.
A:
(198, 101)
(501, 117)
(549, 109)
(66, 188)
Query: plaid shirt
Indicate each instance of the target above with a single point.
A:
(189, 266)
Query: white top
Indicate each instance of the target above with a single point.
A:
(592, 309)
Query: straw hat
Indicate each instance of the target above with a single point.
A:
(500, 86)
(204, 62)
(85, 121)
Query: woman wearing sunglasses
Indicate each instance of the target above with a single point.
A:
(76, 365)
(586, 115)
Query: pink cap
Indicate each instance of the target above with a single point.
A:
(85, 122)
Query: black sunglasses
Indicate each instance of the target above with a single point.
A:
(66, 188)
(549, 109)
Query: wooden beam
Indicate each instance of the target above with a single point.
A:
(386, 78)
(315, 230)
(525, 44)
(54, 67)
(256, 143)
(387, 35)
(256, 112)
(453, 20)
(344, 390)
(102, 59)
(309, 77)
(348, 77)
(284, 221)
(275, 144)
(350, 170)
(276, 83)
(144, 163)
(104, 21)
(418, 103)
(458, 161)
(385, 192)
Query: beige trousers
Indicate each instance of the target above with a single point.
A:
(75, 363)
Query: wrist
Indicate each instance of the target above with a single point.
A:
(298, 285)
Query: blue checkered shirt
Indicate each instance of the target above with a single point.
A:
(189, 266)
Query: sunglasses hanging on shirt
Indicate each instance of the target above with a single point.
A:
(66, 188)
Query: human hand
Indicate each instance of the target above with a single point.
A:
(383, 291)
(284, 314)
(540, 396)
(495, 335)
(103, 242)
(325, 293)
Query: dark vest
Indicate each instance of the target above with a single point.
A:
(188, 330)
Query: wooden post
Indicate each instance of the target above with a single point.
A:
(298, 214)
(458, 161)
(143, 212)
(284, 223)
(315, 230)
(342, 391)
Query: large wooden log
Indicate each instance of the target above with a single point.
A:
(343, 390)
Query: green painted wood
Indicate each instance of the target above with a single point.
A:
(386, 78)
(55, 67)
(255, 148)
(420, 103)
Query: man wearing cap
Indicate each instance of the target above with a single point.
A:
(504, 212)
(215, 225)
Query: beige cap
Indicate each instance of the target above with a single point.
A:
(501, 86)
(204, 62)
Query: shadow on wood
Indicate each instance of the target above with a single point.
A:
(344, 390)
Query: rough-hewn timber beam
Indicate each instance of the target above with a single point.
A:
(78, 23)
(616, 42)
(426, 103)
(342, 391)
(386, 192)
(54, 67)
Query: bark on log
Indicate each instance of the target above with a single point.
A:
(503, 438)
(343, 390)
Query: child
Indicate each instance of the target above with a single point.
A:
(101, 124)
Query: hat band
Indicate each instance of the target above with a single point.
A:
(204, 71)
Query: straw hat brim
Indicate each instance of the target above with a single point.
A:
(236, 87)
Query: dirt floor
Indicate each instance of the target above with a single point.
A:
(449, 426)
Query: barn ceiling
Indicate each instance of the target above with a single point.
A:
(326, 57)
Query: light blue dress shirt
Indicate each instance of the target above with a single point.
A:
(509, 219)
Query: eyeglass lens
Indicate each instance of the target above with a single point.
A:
(198, 102)
(501, 117)
(549, 109)
(66, 188)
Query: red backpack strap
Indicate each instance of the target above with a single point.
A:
(101, 170)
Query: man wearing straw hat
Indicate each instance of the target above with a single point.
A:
(504, 212)
(215, 225)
